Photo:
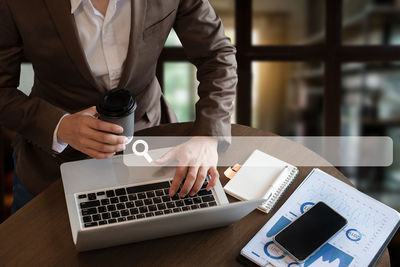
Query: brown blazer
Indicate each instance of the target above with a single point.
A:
(45, 33)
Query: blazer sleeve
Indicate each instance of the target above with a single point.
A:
(32, 117)
(202, 35)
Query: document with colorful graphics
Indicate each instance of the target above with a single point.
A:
(371, 225)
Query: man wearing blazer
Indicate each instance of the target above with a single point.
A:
(79, 49)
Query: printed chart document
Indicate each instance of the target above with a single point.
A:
(370, 227)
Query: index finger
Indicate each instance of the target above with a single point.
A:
(104, 126)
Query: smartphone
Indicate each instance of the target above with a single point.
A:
(310, 231)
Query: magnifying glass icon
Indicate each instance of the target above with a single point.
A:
(145, 151)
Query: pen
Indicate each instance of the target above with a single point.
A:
(278, 182)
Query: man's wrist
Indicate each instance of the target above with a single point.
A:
(58, 145)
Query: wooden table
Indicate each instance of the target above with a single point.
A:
(39, 234)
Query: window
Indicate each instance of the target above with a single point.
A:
(287, 22)
(371, 22)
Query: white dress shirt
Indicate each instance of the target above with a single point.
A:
(105, 40)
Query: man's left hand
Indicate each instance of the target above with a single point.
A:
(196, 158)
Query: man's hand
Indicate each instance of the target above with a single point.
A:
(90, 135)
(197, 158)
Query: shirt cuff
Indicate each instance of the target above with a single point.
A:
(58, 146)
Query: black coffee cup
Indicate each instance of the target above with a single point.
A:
(118, 106)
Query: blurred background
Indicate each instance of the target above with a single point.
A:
(306, 67)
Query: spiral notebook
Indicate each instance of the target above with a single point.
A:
(262, 176)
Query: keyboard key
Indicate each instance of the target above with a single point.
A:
(185, 208)
(90, 204)
(89, 211)
(105, 201)
(156, 200)
(101, 209)
(148, 201)
(147, 187)
(166, 191)
(91, 224)
(112, 221)
(130, 218)
(82, 196)
(87, 219)
(139, 203)
(140, 216)
(143, 209)
(106, 216)
(114, 200)
(110, 193)
(132, 197)
(129, 205)
(158, 213)
(120, 206)
(102, 222)
(175, 197)
(197, 200)
(134, 211)
(115, 214)
(179, 203)
(170, 205)
(188, 201)
(152, 208)
(101, 193)
(120, 191)
(159, 193)
(203, 205)
(204, 192)
(177, 210)
(111, 207)
(150, 194)
(150, 214)
(92, 196)
(195, 206)
(211, 204)
(207, 198)
(122, 219)
(167, 211)
(141, 195)
(166, 198)
(96, 217)
(124, 212)
(123, 199)
(161, 206)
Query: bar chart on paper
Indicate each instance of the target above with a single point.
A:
(369, 224)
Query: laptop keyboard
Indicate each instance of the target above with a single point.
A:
(128, 203)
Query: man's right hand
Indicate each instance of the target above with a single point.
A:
(90, 135)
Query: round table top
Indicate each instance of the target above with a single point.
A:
(47, 240)
(256, 217)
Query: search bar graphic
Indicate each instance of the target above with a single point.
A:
(144, 153)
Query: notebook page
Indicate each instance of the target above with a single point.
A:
(255, 176)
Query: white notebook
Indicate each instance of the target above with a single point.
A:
(262, 176)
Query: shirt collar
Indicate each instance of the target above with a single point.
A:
(74, 5)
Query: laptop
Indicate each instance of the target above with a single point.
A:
(111, 204)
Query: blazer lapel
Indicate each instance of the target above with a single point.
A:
(60, 12)
(137, 24)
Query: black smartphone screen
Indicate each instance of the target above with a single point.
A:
(310, 231)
